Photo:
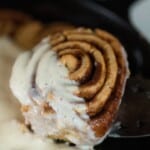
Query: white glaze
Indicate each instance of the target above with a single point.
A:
(11, 135)
(70, 119)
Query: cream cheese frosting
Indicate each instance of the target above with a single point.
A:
(12, 135)
(35, 75)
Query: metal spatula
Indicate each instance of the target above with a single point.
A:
(134, 114)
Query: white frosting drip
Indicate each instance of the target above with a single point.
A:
(38, 73)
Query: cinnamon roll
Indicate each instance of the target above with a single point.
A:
(24, 30)
(27, 35)
(10, 20)
(31, 33)
(71, 84)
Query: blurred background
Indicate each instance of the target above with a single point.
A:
(135, 12)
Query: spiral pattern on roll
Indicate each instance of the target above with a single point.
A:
(92, 62)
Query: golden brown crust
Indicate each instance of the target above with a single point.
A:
(20, 27)
(47, 109)
(10, 20)
(27, 35)
(100, 66)
(25, 31)
(102, 121)
(32, 32)
(56, 27)
(25, 108)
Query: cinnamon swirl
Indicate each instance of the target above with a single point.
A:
(71, 84)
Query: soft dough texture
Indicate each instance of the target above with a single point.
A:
(71, 84)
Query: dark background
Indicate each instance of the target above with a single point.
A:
(120, 7)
